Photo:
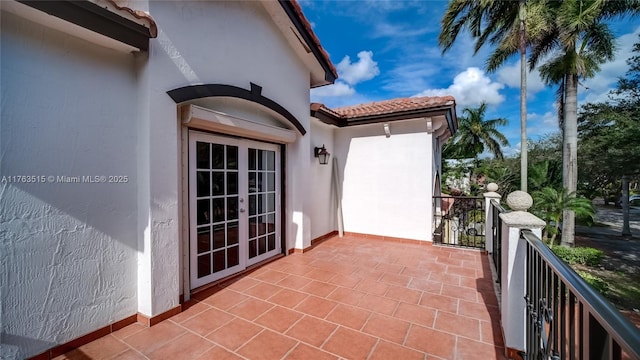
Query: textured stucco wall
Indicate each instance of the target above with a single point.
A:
(321, 204)
(76, 257)
(232, 43)
(67, 250)
(386, 181)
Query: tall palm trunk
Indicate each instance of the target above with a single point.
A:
(523, 98)
(570, 155)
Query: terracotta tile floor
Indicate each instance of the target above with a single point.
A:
(350, 298)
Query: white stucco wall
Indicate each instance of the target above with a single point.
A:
(68, 251)
(231, 43)
(320, 203)
(76, 257)
(387, 182)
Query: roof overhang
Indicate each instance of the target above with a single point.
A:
(288, 17)
(441, 120)
(102, 22)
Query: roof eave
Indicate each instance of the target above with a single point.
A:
(294, 12)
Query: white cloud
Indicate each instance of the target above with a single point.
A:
(363, 69)
(339, 88)
(470, 87)
(510, 76)
(538, 124)
(385, 29)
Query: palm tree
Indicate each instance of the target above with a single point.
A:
(550, 204)
(578, 41)
(475, 134)
(505, 26)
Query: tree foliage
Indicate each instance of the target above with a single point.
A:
(549, 204)
(475, 135)
(609, 136)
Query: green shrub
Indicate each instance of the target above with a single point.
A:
(579, 255)
(598, 283)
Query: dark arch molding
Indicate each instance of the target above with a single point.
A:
(193, 92)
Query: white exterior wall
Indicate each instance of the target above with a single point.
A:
(230, 43)
(387, 182)
(67, 250)
(321, 204)
(76, 257)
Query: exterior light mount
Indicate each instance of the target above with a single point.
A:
(322, 154)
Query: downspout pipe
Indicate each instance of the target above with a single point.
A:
(337, 191)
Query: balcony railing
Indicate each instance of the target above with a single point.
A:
(496, 230)
(566, 317)
(547, 310)
(459, 221)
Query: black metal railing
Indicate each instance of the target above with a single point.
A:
(496, 231)
(566, 317)
(459, 221)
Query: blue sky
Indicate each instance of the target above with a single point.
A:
(385, 49)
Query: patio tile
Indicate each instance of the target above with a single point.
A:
(491, 333)
(251, 308)
(456, 324)
(348, 298)
(350, 344)
(379, 304)
(347, 281)
(295, 282)
(316, 306)
(320, 275)
(240, 283)
(372, 287)
(390, 268)
(190, 309)
(226, 299)
(187, 346)
(403, 294)
(416, 314)
(267, 345)
(127, 355)
(207, 321)
(218, 353)
(349, 316)
(235, 333)
(396, 279)
(128, 330)
(386, 350)
(387, 328)
(430, 286)
(432, 342)
(440, 302)
(478, 310)
(288, 298)
(318, 288)
(306, 352)
(278, 318)
(150, 339)
(102, 348)
(270, 276)
(263, 290)
(312, 330)
(470, 349)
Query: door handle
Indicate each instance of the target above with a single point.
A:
(242, 210)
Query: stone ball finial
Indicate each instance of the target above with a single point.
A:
(519, 201)
(493, 187)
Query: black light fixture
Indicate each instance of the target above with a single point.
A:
(322, 154)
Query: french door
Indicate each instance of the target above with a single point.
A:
(234, 205)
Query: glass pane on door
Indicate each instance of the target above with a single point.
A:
(217, 207)
(262, 209)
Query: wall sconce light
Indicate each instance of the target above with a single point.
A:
(322, 154)
(387, 132)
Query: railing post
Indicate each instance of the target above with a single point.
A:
(514, 250)
(488, 215)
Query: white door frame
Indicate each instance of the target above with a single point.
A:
(243, 146)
